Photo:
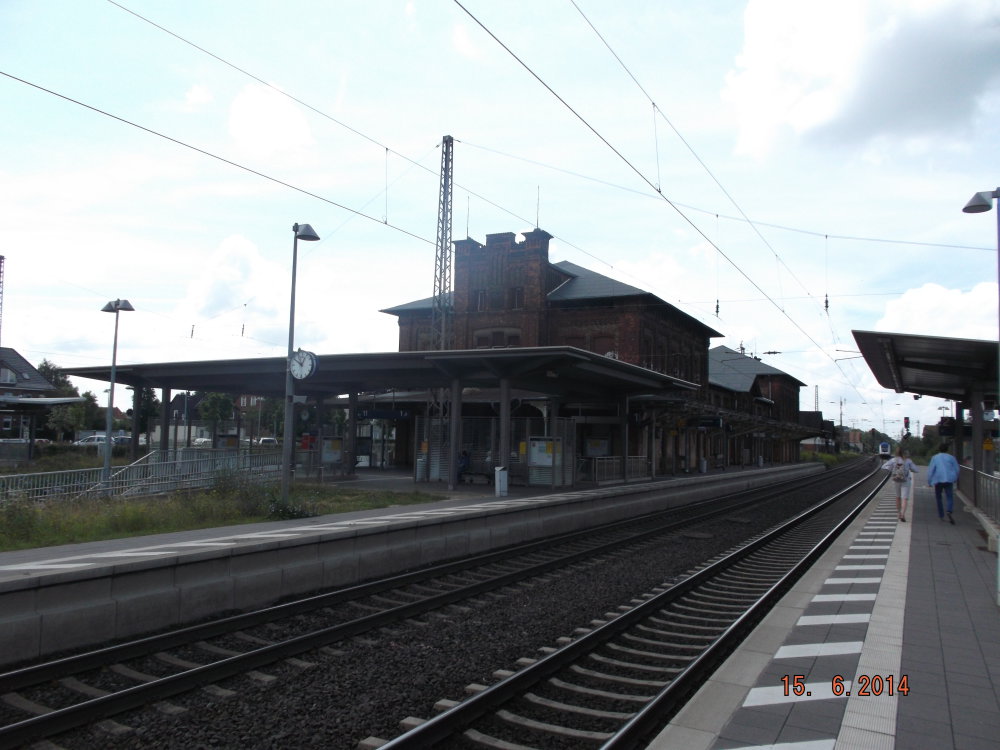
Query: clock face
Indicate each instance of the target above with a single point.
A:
(302, 364)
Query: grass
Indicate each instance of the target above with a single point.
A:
(231, 501)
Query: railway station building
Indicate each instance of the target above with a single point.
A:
(556, 373)
(728, 408)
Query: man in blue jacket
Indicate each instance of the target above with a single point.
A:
(942, 473)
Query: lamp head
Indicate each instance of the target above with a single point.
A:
(118, 305)
(980, 202)
(304, 232)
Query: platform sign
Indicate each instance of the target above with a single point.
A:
(596, 447)
(540, 450)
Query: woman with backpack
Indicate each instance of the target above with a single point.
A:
(901, 469)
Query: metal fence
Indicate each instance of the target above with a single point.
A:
(158, 472)
(984, 489)
(603, 469)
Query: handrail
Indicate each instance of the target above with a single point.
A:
(154, 473)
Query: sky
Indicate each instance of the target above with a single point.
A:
(784, 172)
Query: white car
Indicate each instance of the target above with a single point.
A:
(91, 440)
(202, 442)
(268, 442)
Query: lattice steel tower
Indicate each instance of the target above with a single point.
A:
(441, 304)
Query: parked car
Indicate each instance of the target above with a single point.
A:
(91, 440)
(267, 442)
(202, 442)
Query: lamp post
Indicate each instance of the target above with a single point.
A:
(979, 203)
(302, 232)
(115, 306)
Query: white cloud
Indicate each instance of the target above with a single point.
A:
(195, 98)
(265, 123)
(463, 43)
(855, 70)
(933, 310)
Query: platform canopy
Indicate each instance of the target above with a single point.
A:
(932, 365)
(559, 371)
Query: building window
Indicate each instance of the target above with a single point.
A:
(7, 376)
(496, 337)
(515, 298)
(480, 300)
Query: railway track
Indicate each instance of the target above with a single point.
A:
(46, 699)
(617, 684)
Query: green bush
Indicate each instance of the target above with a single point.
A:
(20, 521)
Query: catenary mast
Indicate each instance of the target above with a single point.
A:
(441, 304)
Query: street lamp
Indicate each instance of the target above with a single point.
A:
(302, 232)
(977, 204)
(115, 306)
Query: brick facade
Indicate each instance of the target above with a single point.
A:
(508, 294)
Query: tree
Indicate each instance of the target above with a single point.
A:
(60, 421)
(149, 408)
(58, 378)
(86, 415)
(214, 408)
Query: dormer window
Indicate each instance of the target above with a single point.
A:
(7, 375)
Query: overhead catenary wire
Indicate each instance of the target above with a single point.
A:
(211, 155)
(586, 123)
(629, 164)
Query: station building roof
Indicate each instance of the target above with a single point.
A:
(560, 371)
(734, 371)
(936, 366)
(581, 285)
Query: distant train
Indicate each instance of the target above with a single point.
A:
(884, 450)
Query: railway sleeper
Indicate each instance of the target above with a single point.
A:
(552, 729)
(601, 659)
(765, 570)
(548, 703)
(749, 583)
(682, 658)
(724, 602)
(738, 587)
(664, 643)
(681, 621)
(572, 687)
(702, 614)
(676, 636)
(604, 677)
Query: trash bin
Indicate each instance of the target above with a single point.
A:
(702, 465)
(500, 481)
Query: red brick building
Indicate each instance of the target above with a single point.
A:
(508, 294)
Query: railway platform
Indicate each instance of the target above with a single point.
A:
(891, 641)
(79, 596)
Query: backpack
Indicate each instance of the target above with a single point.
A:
(900, 472)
